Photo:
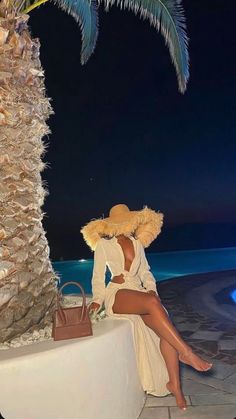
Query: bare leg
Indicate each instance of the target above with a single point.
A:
(171, 358)
(135, 302)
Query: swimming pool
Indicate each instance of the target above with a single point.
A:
(164, 265)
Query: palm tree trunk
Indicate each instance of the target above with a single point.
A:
(27, 282)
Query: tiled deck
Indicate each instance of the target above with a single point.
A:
(200, 307)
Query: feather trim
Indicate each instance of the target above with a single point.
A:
(145, 225)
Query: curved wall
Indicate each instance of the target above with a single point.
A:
(90, 377)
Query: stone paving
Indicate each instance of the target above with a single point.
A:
(203, 312)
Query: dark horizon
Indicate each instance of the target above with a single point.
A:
(175, 238)
(122, 133)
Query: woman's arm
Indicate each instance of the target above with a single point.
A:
(98, 278)
(146, 275)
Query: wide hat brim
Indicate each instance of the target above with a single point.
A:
(145, 224)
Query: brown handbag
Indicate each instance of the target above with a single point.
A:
(71, 322)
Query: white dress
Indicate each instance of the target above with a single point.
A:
(108, 253)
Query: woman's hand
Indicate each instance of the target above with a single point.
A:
(93, 306)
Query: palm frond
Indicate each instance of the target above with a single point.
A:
(167, 16)
(25, 6)
(85, 12)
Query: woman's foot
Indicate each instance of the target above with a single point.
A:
(190, 358)
(179, 397)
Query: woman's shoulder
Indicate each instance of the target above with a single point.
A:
(103, 242)
(140, 247)
(138, 242)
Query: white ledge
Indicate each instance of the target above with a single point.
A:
(87, 378)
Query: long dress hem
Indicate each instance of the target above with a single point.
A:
(150, 362)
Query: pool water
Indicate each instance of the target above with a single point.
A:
(163, 265)
(233, 295)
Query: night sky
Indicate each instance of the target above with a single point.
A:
(122, 133)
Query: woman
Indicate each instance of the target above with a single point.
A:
(119, 242)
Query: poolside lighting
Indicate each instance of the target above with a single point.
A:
(82, 260)
(233, 295)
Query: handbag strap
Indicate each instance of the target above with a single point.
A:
(59, 307)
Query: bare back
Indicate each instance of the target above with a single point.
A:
(127, 248)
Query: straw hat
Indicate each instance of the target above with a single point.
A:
(144, 224)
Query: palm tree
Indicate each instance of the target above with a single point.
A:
(28, 284)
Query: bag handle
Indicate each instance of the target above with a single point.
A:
(59, 307)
